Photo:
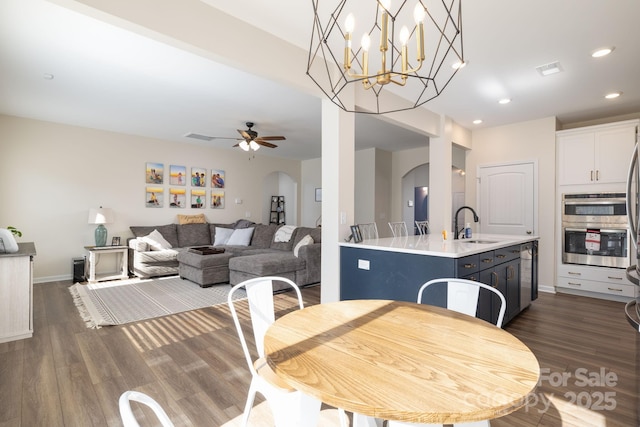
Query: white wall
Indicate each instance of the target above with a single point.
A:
(311, 179)
(51, 174)
(383, 190)
(532, 140)
(365, 186)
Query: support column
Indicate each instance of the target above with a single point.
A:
(440, 197)
(338, 188)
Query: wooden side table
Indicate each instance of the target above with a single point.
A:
(94, 256)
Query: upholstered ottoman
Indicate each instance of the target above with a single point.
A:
(205, 270)
(275, 263)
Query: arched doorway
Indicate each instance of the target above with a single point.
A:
(280, 184)
(415, 194)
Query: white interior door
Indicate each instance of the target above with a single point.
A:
(507, 198)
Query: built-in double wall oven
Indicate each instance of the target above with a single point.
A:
(595, 230)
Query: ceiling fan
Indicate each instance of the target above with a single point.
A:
(251, 141)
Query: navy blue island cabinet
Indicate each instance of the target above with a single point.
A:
(367, 273)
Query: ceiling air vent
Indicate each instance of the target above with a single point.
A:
(199, 136)
(548, 69)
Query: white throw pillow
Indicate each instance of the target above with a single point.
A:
(241, 237)
(222, 236)
(284, 233)
(156, 241)
(306, 240)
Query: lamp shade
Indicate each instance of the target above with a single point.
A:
(100, 215)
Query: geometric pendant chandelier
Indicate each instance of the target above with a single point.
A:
(387, 48)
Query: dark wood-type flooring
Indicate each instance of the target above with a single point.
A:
(68, 375)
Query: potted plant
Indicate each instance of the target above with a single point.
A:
(15, 231)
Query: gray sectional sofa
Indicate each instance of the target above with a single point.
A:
(263, 256)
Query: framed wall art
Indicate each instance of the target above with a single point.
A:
(154, 197)
(217, 199)
(177, 175)
(198, 199)
(217, 178)
(198, 177)
(178, 197)
(154, 173)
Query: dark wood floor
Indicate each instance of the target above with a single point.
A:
(68, 375)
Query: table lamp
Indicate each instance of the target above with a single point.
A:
(100, 216)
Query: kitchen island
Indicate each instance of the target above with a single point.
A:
(394, 268)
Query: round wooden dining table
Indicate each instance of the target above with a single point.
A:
(402, 361)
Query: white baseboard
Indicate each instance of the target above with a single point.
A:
(547, 289)
(46, 279)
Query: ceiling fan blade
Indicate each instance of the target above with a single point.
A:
(271, 138)
(265, 143)
(244, 134)
(226, 137)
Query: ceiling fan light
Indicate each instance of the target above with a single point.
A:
(244, 145)
(254, 145)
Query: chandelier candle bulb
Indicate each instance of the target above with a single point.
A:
(404, 38)
(349, 25)
(418, 16)
(384, 27)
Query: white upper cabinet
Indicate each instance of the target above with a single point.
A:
(595, 154)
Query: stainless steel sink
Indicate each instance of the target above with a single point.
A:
(480, 242)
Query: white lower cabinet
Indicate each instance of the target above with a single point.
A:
(16, 293)
(605, 282)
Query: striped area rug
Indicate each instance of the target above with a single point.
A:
(124, 301)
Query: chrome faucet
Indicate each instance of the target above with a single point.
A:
(455, 225)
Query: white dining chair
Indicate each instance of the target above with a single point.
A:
(288, 406)
(126, 412)
(398, 229)
(462, 296)
(368, 230)
(423, 227)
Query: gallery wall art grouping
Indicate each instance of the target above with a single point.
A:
(192, 187)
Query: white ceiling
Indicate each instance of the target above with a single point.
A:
(108, 78)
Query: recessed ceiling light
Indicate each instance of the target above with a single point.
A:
(459, 64)
(548, 69)
(613, 95)
(504, 101)
(47, 76)
(602, 52)
(477, 122)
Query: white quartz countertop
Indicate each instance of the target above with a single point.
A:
(434, 245)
